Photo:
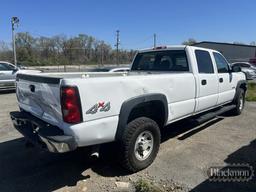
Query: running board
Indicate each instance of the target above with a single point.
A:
(210, 115)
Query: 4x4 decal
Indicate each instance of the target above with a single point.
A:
(101, 106)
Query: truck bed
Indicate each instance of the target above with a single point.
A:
(72, 75)
(82, 75)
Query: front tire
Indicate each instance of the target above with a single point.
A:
(140, 144)
(239, 102)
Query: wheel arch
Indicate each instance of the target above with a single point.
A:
(242, 84)
(129, 106)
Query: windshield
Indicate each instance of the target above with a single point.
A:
(168, 60)
(6, 67)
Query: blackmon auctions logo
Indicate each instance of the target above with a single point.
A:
(231, 173)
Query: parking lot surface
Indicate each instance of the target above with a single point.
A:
(186, 153)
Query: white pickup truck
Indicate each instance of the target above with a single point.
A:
(62, 112)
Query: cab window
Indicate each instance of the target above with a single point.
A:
(204, 61)
(222, 64)
(169, 60)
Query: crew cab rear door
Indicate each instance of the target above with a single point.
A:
(226, 82)
(207, 81)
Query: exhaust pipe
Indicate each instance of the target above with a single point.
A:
(95, 155)
(95, 152)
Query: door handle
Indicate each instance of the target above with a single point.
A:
(32, 88)
(204, 82)
(221, 80)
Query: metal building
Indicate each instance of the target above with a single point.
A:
(232, 52)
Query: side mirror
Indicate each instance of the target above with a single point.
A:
(236, 69)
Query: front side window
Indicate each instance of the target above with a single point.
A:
(222, 64)
(204, 61)
(169, 60)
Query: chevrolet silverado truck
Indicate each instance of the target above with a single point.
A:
(64, 111)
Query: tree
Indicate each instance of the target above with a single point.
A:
(25, 47)
(60, 49)
(238, 43)
(190, 41)
(5, 51)
(253, 43)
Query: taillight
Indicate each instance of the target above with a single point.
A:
(70, 105)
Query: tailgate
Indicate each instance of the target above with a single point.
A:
(40, 95)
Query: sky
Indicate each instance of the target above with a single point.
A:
(173, 21)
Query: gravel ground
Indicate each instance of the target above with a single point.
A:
(185, 155)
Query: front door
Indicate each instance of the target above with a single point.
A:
(207, 81)
(226, 87)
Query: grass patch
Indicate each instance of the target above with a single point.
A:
(251, 92)
(145, 186)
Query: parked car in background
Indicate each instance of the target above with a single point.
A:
(247, 68)
(253, 61)
(8, 74)
(21, 66)
(109, 69)
(120, 69)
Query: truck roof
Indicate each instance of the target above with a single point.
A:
(172, 47)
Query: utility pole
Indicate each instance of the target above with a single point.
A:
(117, 46)
(154, 40)
(101, 53)
(14, 21)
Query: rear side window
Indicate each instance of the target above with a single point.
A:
(169, 60)
(222, 64)
(204, 61)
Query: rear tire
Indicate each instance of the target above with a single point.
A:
(28, 144)
(239, 102)
(140, 144)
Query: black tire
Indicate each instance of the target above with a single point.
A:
(133, 131)
(239, 102)
(28, 144)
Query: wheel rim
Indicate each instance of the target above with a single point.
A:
(241, 103)
(143, 145)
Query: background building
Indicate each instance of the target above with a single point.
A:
(232, 52)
